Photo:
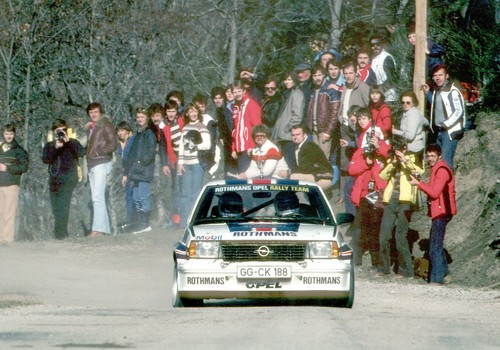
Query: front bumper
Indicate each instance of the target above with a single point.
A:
(309, 279)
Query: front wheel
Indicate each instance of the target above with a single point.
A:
(345, 302)
(349, 301)
(192, 302)
(176, 300)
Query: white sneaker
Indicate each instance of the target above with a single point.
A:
(147, 229)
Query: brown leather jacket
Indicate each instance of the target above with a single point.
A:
(101, 142)
(327, 110)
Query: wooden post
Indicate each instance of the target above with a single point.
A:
(419, 76)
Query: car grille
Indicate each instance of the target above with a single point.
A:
(250, 252)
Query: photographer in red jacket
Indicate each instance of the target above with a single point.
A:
(441, 193)
(365, 167)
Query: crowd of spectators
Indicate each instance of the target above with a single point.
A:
(329, 121)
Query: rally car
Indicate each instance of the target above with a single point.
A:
(263, 239)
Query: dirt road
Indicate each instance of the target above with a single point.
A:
(114, 293)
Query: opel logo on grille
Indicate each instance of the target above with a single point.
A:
(263, 251)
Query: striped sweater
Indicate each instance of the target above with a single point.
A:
(188, 151)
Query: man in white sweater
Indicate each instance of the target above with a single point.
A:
(266, 159)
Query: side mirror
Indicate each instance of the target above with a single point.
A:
(344, 218)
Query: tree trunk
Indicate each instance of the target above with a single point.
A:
(420, 48)
(27, 104)
(402, 5)
(233, 44)
(374, 9)
(335, 7)
(8, 88)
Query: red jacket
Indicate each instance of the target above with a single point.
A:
(440, 190)
(364, 173)
(245, 116)
(381, 115)
(172, 158)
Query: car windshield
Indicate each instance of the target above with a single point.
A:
(270, 202)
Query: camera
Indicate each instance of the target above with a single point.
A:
(398, 144)
(60, 135)
(417, 176)
(369, 149)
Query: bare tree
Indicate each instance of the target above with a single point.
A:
(335, 7)
(9, 24)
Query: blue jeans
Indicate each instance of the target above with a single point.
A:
(98, 179)
(141, 194)
(438, 263)
(448, 147)
(176, 190)
(191, 183)
(243, 161)
(129, 202)
(348, 182)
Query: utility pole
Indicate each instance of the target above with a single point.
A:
(419, 77)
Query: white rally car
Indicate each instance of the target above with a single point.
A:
(263, 239)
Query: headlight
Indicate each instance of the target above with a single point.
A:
(204, 249)
(326, 250)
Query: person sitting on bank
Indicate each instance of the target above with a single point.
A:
(266, 158)
(311, 163)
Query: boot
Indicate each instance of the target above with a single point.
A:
(374, 255)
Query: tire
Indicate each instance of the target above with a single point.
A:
(349, 301)
(192, 302)
(345, 302)
(177, 301)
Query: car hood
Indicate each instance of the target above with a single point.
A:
(269, 231)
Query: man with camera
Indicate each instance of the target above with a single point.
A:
(442, 206)
(13, 163)
(399, 197)
(62, 155)
(365, 167)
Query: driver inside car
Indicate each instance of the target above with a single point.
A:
(230, 205)
(286, 204)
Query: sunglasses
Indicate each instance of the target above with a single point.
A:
(406, 102)
(260, 135)
(270, 88)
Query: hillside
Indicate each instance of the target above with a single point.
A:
(477, 221)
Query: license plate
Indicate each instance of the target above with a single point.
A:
(264, 272)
